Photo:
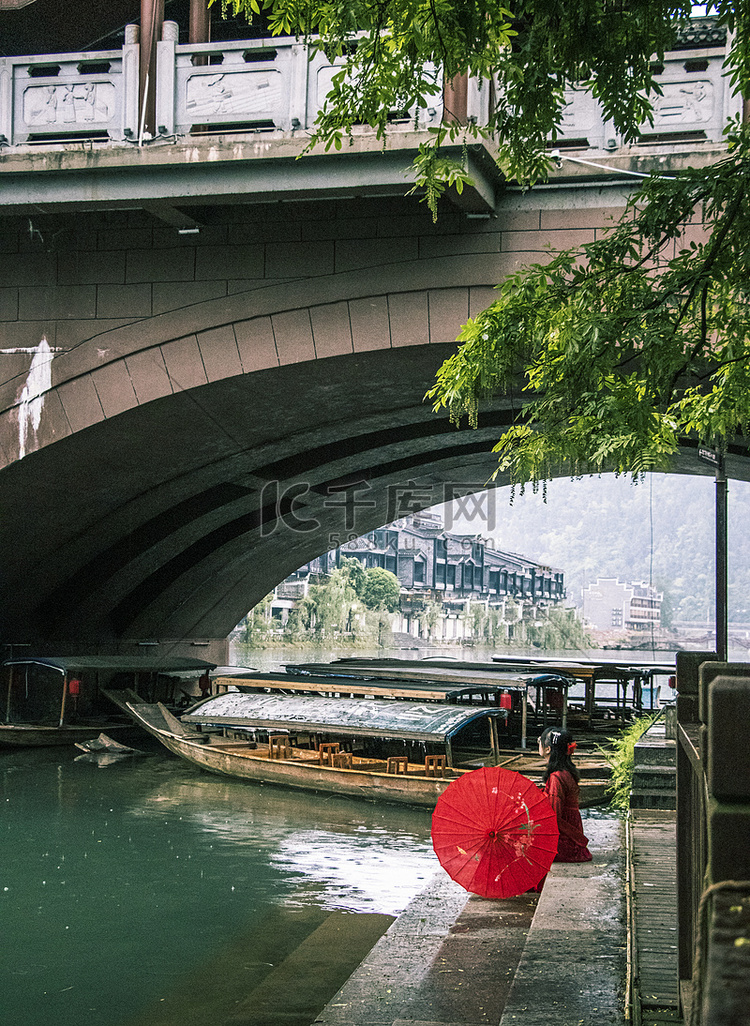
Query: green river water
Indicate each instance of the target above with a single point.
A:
(148, 893)
(122, 884)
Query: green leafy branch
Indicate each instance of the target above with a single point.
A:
(627, 346)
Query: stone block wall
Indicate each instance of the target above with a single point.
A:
(714, 838)
(369, 274)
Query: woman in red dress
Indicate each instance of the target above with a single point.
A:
(561, 787)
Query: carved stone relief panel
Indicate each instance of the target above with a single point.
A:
(234, 95)
(581, 113)
(687, 102)
(69, 105)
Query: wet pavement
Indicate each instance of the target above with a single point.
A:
(454, 958)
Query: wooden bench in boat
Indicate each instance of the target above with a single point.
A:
(329, 754)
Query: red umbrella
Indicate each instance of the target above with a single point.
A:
(494, 832)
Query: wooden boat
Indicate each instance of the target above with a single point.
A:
(401, 752)
(514, 694)
(596, 691)
(632, 688)
(398, 752)
(56, 700)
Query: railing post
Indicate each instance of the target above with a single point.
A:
(165, 79)
(298, 87)
(6, 102)
(130, 81)
(724, 981)
(478, 101)
(690, 813)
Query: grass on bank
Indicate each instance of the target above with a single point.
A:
(621, 756)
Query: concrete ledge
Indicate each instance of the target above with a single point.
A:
(453, 958)
(573, 967)
(380, 990)
(448, 961)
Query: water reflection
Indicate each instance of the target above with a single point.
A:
(117, 882)
(338, 853)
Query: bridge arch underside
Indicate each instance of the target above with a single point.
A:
(171, 520)
(184, 464)
(174, 518)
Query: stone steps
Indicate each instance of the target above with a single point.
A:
(654, 783)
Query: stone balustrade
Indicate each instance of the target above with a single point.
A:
(57, 98)
(695, 103)
(271, 86)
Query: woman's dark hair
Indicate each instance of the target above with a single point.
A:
(558, 741)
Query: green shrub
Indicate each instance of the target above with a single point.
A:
(621, 755)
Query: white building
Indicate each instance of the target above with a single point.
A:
(610, 605)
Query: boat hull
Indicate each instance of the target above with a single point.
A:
(243, 763)
(240, 761)
(369, 786)
(384, 787)
(19, 735)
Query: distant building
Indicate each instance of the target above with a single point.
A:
(437, 567)
(611, 605)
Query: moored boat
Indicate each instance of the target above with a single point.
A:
(56, 700)
(544, 695)
(402, 752)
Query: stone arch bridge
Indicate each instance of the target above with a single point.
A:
(213, 361)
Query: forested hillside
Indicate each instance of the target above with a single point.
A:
(660, 530)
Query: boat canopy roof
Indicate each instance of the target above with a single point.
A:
(421, 689)
(454, 677)
(356, 717)
(118, 664)
(455, 680)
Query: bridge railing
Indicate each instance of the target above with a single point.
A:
(713, 839)
(693, 107)
(63, 97)
(257, 85)
(272, 85)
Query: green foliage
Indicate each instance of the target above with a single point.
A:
(628, 346)
(558, 629)
(621, 756)
(257, 625)
(641, 338)
(478, 621)
(353, 573)
(331, 609)
(395, 55)
(381, 589)
(334, 604)
(429, 618)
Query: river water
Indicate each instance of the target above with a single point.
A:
(276, 657)
(121, 883)
(118, 883)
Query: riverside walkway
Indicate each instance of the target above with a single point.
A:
(453, 958)
(653, 916)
